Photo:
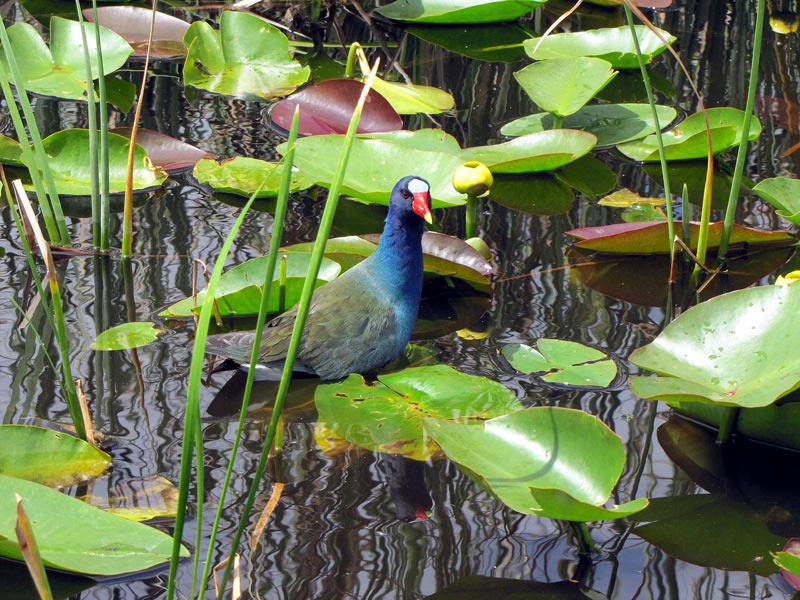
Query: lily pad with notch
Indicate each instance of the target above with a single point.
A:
(545, 461)
(610, 123)
(614, 44)
(247, 57)
(387, 416)
(563, 362)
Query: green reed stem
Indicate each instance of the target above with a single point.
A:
(738, 169)
(659, 141)
(33, 152)
(281, 208)
(317, 254)
(92, 119)
(471, 216)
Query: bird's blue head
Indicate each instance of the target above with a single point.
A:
(412, 194)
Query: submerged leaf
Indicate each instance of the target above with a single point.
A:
(127, 336)
(738, 349)
(387, 416)
(327, 107)
(564, 362)
(48, 457)
(74, 536)
(524, 454)
(246, 58)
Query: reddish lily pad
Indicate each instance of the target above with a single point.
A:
(651, 237)
(326, 107)
(132, 23)
(164, 151)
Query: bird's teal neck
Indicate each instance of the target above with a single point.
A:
(399, 254)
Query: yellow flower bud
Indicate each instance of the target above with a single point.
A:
(473, 178)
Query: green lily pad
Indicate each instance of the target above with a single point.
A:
(457, 11)
(784, 194)
(651, 237)
(74, 536)
(543, 151)
(376, 164)
(48, 457)
(139, 499)
(614, 44)
(409, 99)
(688, 140)
(788, 561)
(562, 361)
(562, 86)
(60, 70)
(10, 151)
(738, 349)
(535, 194)
(490, 43)
(711, 530)
(522, 455)
(387, 416)
(610, 123)
(127, 336)
(590, 176)
(67, 151)
(242, 176)
(247, 58)
(239, 289)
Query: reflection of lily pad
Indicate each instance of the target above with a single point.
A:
(242, 176)
(611, 123)
(490, 43)
(247, 57)
(543, 151)
(239, 288)
(688, 140)
(387, 416)
(536, 194)
(563, 361)
(457, 11)
(614, 44)
(570, 459)
(737, 349)
(60, 70)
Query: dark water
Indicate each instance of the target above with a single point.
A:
(338, 530)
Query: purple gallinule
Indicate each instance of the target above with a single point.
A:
(361, 320)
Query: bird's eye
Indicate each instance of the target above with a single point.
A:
(406, 195)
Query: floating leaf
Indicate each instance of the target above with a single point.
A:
(738, 349)
(60, 70)
(782, 193)
(692, 174)
(10, 151)
(246, 58)
(376, 164)
(239, 289)
(651, 238)
(457, 11)
(789, 562)
(327, 107)
(626, 198)
(562, 361)
(48, 457)
(688, 140)
(711, 530)
(387, 416)
(562, 86)
(408, 99)
(74, 536)
(588, 175)
(543, 151)
(536, 194)
(243, 176)
(490, 43)
(610, 123)
(614, 44)
(138, 499)
(133, 24)
(164, 151)
(538, 449)
(127, 336)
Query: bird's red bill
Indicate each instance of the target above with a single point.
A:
(421, 205)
